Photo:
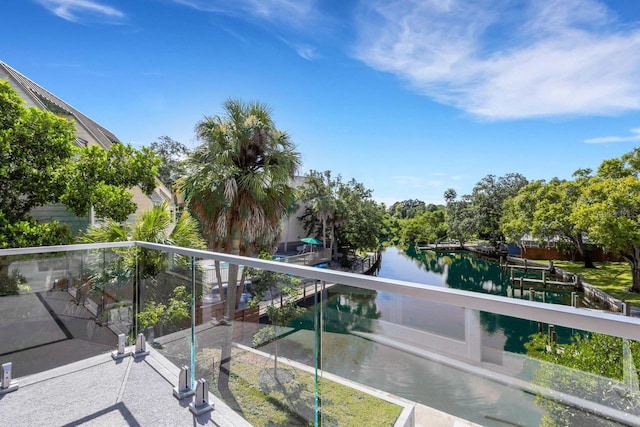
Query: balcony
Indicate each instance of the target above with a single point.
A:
(445, 363)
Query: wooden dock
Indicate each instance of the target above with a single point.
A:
(306, 291)
(443, 247)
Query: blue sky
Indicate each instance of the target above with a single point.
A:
(409, 97)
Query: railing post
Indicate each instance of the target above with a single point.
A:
(200, 404)
(121, 352)
(184, 384)
(7, 384)
(141, 346)
(193, 318)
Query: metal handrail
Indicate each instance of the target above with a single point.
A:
(594, 321)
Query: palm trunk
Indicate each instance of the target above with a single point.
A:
(275, 332)
(334, 246)
(324, 232)
(219, 279)
(241, 287)
(232, 282)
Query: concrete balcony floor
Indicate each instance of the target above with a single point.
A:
(99, 391)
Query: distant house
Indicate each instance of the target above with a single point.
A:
(88, 133)
(292, 229)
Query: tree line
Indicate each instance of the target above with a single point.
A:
(593, 209)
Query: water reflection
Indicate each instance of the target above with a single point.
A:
(397, 344)
(457, 270)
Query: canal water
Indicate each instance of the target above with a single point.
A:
(465, 271)
(365, 332)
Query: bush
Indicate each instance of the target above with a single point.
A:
(11, 284)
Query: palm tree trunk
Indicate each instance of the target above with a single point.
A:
(232, 281)
(324, 232)
(334, 246)
(243, 277)
(219, 279)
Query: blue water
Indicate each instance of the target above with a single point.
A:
(349, 314)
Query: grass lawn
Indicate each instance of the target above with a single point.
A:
(613, 278)
(288, 399)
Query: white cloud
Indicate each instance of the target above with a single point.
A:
(293, 13)
(604, 139)
(301, 16)
(557, 57)
(83, 10)
(305, 51)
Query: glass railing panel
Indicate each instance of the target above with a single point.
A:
(477, 365)
(55, 308)
(579, 377)
(413, 348)
(165, 285)
(297, 348)
(260, 359)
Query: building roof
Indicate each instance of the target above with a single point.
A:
(48, 101)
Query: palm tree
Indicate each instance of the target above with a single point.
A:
(238, 182)
(318, 191)
(238, 185)
(153, 226)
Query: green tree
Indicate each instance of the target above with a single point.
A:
(427, 227)
(407, 208)
(35, 150)
(138, 266)
(552, 217)
(168, 317)
(487, 199)
(610, 212)
(460, 223)
(359, 219)
(354, 219)
(238, 186)
(595, 359)
(543, 210)
(100, 178)
(318, 192)
(609, 209)
(154, 226)
(173, 155)
(39, 164)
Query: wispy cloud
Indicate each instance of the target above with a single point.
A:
(604, 139)
(305, 51)
(557, 57)
(293, 13)
(83, 11)
(297, 17)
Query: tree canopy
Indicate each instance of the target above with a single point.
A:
(347, 209)
(609, 209)
(40, 164)
(479, 214)
(173, 155)
(544, 211)
(238, 181)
